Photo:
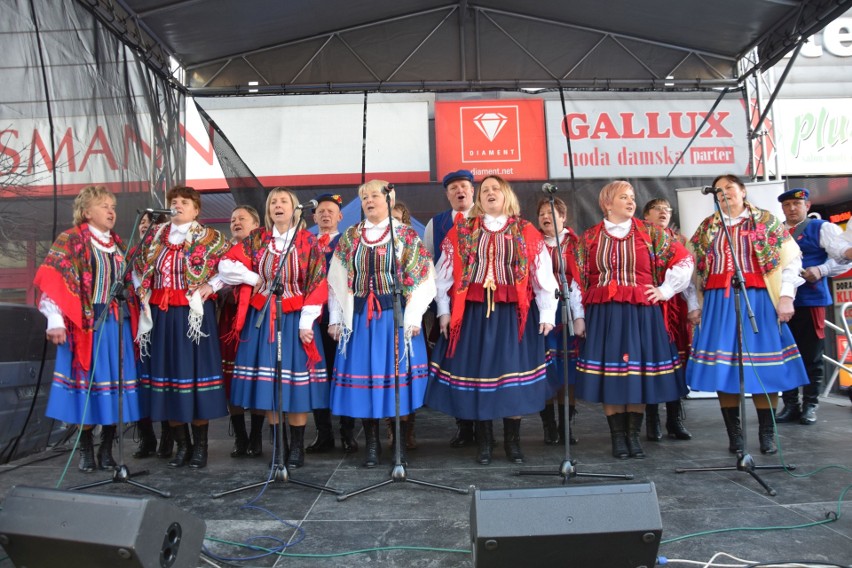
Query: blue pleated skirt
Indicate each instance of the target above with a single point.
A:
(771, 360)
(492, 375)
(183, 379)
(363, 378)
(555, 356)
(628, 357)
(67, 401)
(254, 368)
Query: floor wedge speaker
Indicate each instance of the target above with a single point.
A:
(583, 526)
(46, 528)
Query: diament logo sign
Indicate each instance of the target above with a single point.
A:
(492, 137)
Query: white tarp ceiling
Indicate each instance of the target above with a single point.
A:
(299, 46)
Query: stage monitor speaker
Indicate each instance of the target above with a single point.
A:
(46, 528)
(582, 526)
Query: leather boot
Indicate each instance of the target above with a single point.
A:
(618, 433)
(464, 436)
(652, 428)
(735, 431)
(147, 439)
(808, 414)
(183, 452)
(105, 459)
(198, 459)
(410, 440)
(548, 423)
(324, 440)
(255, 444)
(280, 448)
(87, 452)
(674, 421)
(241, 441)
(167, 440)
(766, 431)
(403, 433)
(484, 441)
(572, 422)
(634, 431)
(512, 439)
(791, 412)
(373, 447)
(297, 447)
(389, 428)
(347, 435)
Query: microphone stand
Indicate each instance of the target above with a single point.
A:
(278, 471)
(398, 473)
(121, 473)
(567, 469)
(744, 460)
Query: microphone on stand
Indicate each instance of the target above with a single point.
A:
(710, 190)
(549, 188)
(312, 204)
(169, 212)
(388, 188)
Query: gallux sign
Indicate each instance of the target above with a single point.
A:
(646, 138)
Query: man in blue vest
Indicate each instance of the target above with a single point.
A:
(820, 243)
(460, 192)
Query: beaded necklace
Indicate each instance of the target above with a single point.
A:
(105, 244)
(164, 239)
(377, 241)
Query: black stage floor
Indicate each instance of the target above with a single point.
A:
(404, 524)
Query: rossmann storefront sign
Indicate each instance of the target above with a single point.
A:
(646, 138)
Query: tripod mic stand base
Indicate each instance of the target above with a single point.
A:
(120, 474)
(279, 475)
(399, 475)
(744, 463)
(568, 470)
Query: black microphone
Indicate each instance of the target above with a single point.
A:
(312, 204)
(169, 212)
(549, 188)
(388, 188)
(710, 190)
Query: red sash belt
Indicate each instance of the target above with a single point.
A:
(723, 281)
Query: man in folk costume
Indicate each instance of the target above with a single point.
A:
(327, 216)
(178, 336)
(76, 279)
(820, 242)
(460, 192)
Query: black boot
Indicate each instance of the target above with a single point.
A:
(792, 410)
(512, 439)
(618, 433)
(652, 427)
(410, 440)
(484, 441)
(241, 441)
(808, 414)
(198, 459)
(147, 439)
(674, 421)
(403, 432)
(373, 447)
(255, 444)
(347, 435)
(324, 440)
(183, 452)
(634, 431)
(766, 431)
(87, 452)
(572, 419)
(105, 459)
(735, 430)
(548, 423)
(464, 436)
(280, 449)
(297, 447)
(167, 440)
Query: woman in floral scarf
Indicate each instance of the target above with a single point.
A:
(361, 317)
(490, 361)
(771, 262)
(76, 280)
(178, 336)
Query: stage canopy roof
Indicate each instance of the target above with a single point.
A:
(310, 46)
